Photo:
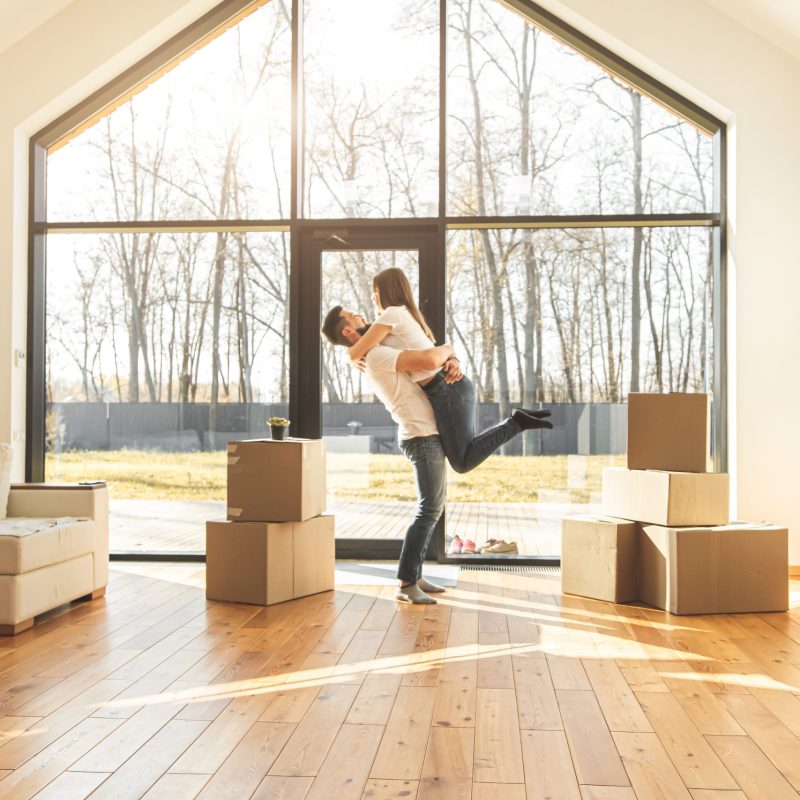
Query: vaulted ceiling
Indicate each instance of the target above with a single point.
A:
(778, 21)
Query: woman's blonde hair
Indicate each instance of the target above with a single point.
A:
(392, 288)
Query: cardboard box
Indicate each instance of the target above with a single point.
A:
(669, 431)
(314, 546)
(599, 557)
(249, 562)
(666, 498)
(269, 562)
(276, 481)
(736, 568)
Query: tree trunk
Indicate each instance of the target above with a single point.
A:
(499, 338)
(636, 311)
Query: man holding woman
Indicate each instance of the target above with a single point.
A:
(432, 402)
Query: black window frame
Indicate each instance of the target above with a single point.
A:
(308, 237)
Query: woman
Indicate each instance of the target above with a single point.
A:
(400, 324)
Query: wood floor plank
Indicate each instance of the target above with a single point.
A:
(594, 754)
(716, 794)
(282, 788)
(703, 706)
(132, 734)
(375, 699)
(498, 791)
(150, 762)
(153, 683)
(218, 739)
(617, 700)
(309, 744)
(642, 676)
(382, 789)
(447, 770)
(354, 664)
(344, 772)
(776, 741)
(696, 762)
(784, 706)
(69, 688)
(458, 677)
(756, 775)
(47, 765)
(651, 772)
(11, 727)
(402, 749)
(498, 751)
(71, 786)
(608, 793)
(536, 697)
(48, 729)
(172, 787)
(567, 673)
(244, 769)
(549, 771)
(495, 670)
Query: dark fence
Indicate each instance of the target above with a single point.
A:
(578, 428)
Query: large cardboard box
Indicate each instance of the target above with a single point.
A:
(276, 481)
(598, 557)
(249, 562)
(669, 431)
(314, 546)
(666, 498)
(741, 567)
(269, 562)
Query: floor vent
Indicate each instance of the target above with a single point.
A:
(510, 568)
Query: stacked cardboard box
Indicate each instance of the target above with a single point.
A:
(667, 538)
(277, 544)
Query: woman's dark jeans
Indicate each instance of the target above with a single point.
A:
(454, 408)
(427, 457)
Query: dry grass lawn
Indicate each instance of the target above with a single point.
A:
(144, 474)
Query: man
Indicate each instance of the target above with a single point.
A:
(410, 408)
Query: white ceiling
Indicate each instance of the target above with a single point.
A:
(778, 21)
(19, 17)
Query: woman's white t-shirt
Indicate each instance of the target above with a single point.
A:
(406, 334)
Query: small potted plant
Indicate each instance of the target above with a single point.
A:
(277, 427)
(355, 426)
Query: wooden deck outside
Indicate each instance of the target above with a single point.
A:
(167, 525)
(505, 689)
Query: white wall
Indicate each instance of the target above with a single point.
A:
(686, 43)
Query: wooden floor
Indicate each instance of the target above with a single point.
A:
(505, 690)
(179, 526)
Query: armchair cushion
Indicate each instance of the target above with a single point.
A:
(28, 543)
(5, 477)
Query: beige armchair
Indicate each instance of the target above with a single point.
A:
(53, 549)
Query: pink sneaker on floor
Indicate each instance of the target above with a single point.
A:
(456, 545)
(469, 547)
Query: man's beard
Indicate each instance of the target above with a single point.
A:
(362, 331)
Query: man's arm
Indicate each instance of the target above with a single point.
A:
(420, 360)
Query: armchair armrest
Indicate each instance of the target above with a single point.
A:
(58, 500)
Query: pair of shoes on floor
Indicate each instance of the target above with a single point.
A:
(467, 546)
(499, 546)
(458, 545)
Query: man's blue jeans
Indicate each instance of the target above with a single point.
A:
(427, 457)
(454, 408)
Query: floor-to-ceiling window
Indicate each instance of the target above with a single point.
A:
(559, 215)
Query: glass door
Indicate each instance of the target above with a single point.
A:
(370, 483)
